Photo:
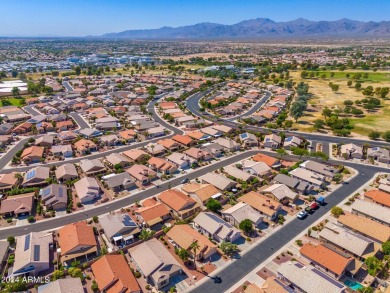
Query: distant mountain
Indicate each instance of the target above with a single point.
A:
(262, 28)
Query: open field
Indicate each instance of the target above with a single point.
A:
(13, 101)
(324, 97)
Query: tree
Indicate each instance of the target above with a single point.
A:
(213, 205)
(386, 247)
(75, 272)
(337, 211)
(338, 177)
(300, 152)
(146, 234)
(386, 136)
(297, 109)
(11, 240)
(77, 70)
(358, 86)
(228, 248)
(246, 226)
(15, 91)
(374, 265)
(288, 123)
(195, 247)
(368, 91)
(281, 152)
(318, 124)
(57, 274)
(326, 112)
(349, 83)
(348, 103)
(183, 254)
(374, 135)
(366, 290)
(304, 74)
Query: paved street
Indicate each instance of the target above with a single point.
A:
(67, 86)
(31, 110)
(79, 120)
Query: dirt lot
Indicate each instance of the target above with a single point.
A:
(324, 97)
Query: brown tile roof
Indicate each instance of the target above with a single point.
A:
(195, 134)
(365, 226)
(152, 212)
(326, 257)
(134, 154)
(149, 202)
(127, 134)
(184, 236)
(75, 234)
(270, 161)
(33, 151)
(183, 139)
(18, 204)
(167, 143)
(379, 196)
(113, 275)
(84, 144)
(206, 192)
(176, 199)
(260, 202)
(8, 179)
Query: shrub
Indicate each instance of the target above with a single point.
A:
(31, 219)
(299, 242)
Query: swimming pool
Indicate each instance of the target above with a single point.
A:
(353, 284)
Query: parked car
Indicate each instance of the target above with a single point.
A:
(314, 205)
(185, 180)
(302, 214)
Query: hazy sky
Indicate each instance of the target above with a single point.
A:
(87, 17)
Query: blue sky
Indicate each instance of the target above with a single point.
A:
(87, 17)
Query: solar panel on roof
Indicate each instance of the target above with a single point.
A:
(46, 192)
(127, 221)
(61, 192)
(31, 174)
(27, 242)
(37, 252)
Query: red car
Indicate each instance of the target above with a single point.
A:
(314, 206)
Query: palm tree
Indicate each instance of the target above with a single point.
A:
(146, 234)
(18, 177)
(194, 247)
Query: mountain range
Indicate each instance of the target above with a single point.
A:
(262, 28)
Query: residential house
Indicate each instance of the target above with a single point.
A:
(358, 245)
(314, 179)
(92, 167)
(154, 216)
(8, 181)
(238, 174)
(32, 154)
(116, 159)
(36, 176)
(32, 253)
(379, 197)
(308, 279)
(181, 160)
(17, 205)
(351, 151)
(54, 196)
(328, 260)
(64, 151)
(293, 183)
(371, 210)
(110, 140)
(62, 286)
(85, 146)
(119, 228)
(184, 140)
(155, 149)
(142, 174)
(45, 141)
(66, 137)
(248, 139)
(87, 189)
(211, 131)
(319, 168)
(272, 141)
(154, 261)
(280, 193)
(270, 161)
(112, 274)
(218, 180)
(260, 169)
(64, 125)
(127, 135)
(119, 182)
(291, 142)
(89, 133)
(169, 144)
(183, 236)
(228, 144)
(213, 148)
(379, 154)
(365, 226)
(201, 192)
(198, 154)
(66, 172)
(263, 204)
(213, 226)
(180, 205)
(77, 241)
(162, 166)
(242, 211)
(136, 155)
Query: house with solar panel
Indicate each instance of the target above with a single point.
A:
(32, 254)
(272, 141)
(248, 139)
(36, 176)
(291, 142)
(54, 197)
(120, 228)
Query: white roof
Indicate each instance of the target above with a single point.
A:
(372, 210)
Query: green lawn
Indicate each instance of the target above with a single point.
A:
(13, 101)
(372, 76)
